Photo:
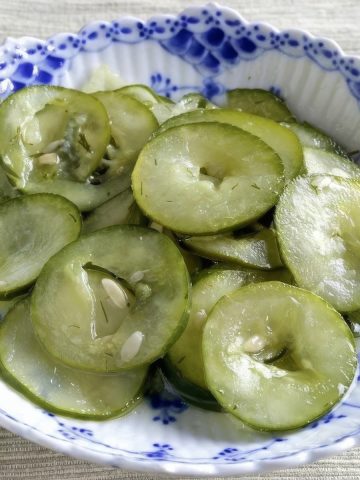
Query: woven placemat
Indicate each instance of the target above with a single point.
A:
(340, 20)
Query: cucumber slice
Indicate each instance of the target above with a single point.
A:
(312, 137)
(188, 391)
(6, 305)
(318, 161)
(131, 125)
(102, 78)
(148, 284)
(297, 387)
(185, 355)
(51, 133)
(119, 210)
(28, 368)
(33, 229)
(280, 139)
(53, 139)
(206, 178)
(259, 102)
(257, 250)
(318, 224)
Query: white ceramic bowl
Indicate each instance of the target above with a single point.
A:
(205, 49)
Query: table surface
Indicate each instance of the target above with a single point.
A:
(338, 20)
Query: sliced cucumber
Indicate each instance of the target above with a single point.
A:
(206, 178)
(259, 102)
(53, 139)
(185, 355)
(131, 125)
(318, 161)
(51, 133)
(144, 276)
(28, 368)
(301, 384)
(312, 137)
(280, 139)
(119, 210)
(256, 250)
(189, 392)
(318, 224)
(33, 228)
(102, 78)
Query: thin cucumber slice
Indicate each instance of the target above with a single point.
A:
(185, 355)
(6, 305)
(33, 228)
(102, 78)
(312, 137)
(189, 392)
(301, 384)
(259, 102)
(7, 191)
(318, 161)
(161, 107)
(206, 178)
(280, 139)
(148, 285)
(47, 382)
(119, 210)
(256, 250)
(53, 139)
(131, 125)
(51, 133)
(193, 262)
(318, 225)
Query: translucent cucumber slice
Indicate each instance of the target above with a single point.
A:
(30, 370)
(119, 210)
(131, 124)
(51, 133)
(144, 277)
(318, 224)
(102, 78)
(256, 250)
(312, 137)
(318, 161)
(259, 102)
(280, 139)
(185, 355)
(301, 384)
(33, 228)
(188, 391)
(206, 178)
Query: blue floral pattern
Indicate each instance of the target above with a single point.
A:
(211, 39)
(168, 405)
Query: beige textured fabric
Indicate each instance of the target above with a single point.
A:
(337, 19)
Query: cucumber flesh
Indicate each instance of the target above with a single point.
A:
(131, 125)
(312, 137)
(33, 229)
(189, 392)
(188, 187)
(150, 293)
(185, 355)
(257, 250)
(259, 102)
(303, 383)
(28, 368)
(318, 161)
(102, 78)
(280, 139)
(318, 225)
(119, 210)
(51, 133)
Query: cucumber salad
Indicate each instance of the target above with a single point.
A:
(214, 247)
